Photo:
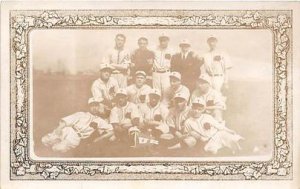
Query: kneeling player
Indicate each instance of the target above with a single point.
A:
(124, 117)
(76, 127)
(203, 127)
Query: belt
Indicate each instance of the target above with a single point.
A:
(158, 71)
(217, 74)
(77, 132)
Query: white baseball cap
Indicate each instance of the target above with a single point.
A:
(155, 91)
(185, 42)
(105, 66)
(93, 100)
(163, 36)
(182, 95)
(205, 77)
(199, 101)
(140, 73)
(176, 75)
(121, 91)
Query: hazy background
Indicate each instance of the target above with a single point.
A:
(74, 51)
(66, 62)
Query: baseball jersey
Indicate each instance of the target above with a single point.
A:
(176, 119)
(216, 62)
(81, 121)
(134, 92)
(206, 126)
(116, 56)
(119, 114)
(154, 113)
(103, 91)
(170, 93)
(162, 59)
(212, 98)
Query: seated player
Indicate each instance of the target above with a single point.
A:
(106, 86)
(175, 87)
(203, 127)
(154, 115)
(177, 116)
(136, 91)
(215, 104)
(124, 117)
(77, 127)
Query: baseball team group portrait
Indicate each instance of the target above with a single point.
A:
(151, 93)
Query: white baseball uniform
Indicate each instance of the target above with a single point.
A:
(170, 93)
(212, 98)
(176, 119)
(134, 92)
(149, 113)
(216, 64)
(77, 127)
(212, 132)
(119, 114)
(161, 68)
(102, 91)
(122, 58)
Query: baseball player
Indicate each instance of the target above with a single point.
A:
(187, 63)
(177, 116)
(154, 115)
(215, 104)
(77, 127)
(175, 87)
(203, 127)
(119, 59)
(124, 117)
(105, 87)
(217, 65)
(137, 92)
(161, 65)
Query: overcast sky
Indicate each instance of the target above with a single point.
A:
(80, 50)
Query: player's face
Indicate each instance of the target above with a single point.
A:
(180, 104)
(203, 86)
(140, 80)
(105, 74)
(163, 43)
(122, 100)
(143, 44)
(212, 45)
(175, 83)
(184, 48)
(94, 108)
(197, 110)
(153, 99)
(120, 42)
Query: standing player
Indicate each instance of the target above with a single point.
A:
(215, 104)
(124, 117)
(137, 92)
(187, 63)
(105, 87)
(77, 127)
(175, 87)
(161, 66)
(119, 59)
(217, 65)
(142, 59)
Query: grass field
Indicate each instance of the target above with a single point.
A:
(249, 113)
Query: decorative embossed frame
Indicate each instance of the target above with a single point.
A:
(278, 22)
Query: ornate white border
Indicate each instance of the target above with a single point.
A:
(22, 167)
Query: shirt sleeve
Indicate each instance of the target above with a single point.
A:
(170, 121)
(96, 92)
(113, 118)
(103, 125)
(164, 112)
(135, 113)
(214, 122)
(72, 119)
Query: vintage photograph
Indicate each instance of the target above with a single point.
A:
(113, 93)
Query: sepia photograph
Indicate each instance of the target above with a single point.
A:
(151, 93)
